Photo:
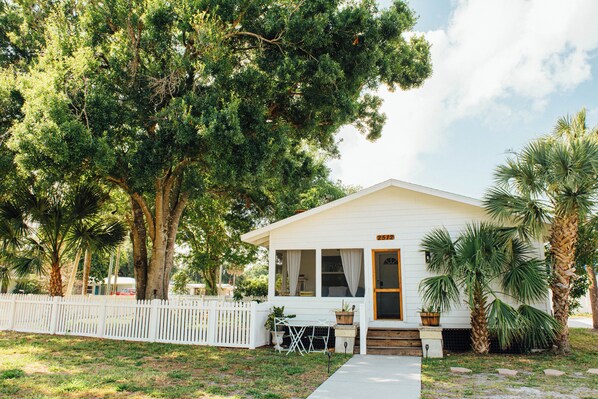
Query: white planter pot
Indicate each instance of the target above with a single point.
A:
(277, 338)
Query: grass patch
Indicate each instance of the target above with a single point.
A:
(11, 373)
(46, 366)
(439, 382)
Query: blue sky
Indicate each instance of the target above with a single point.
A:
(504, 72)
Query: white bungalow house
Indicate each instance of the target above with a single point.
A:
(364, 249)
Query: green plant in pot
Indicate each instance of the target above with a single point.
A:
(345, 314)
(276, 333)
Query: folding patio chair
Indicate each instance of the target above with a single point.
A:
(323, 338)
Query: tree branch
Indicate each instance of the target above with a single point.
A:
(147, 213)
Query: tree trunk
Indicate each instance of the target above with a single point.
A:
(86, 271)
(563, 240)
(3, 286)
(55, 279)
(593, 294)
(73, 275)
(161, 226)
(209, 274)
(480, 338)
(116, 267)
(139, 240)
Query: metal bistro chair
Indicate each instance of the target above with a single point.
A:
(323, 338)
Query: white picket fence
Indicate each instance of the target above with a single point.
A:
(180, 321)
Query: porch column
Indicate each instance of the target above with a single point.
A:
(271, 273)
(369, 283)
(318, 272)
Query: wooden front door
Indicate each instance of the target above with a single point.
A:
(388, 301)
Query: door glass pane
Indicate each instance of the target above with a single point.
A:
(387, 270)
(388, 305)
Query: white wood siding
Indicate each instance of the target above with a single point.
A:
(406, 214)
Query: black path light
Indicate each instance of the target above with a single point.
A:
(329, 354)
(345, 345)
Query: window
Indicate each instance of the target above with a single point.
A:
(296, 272)
(342, 273)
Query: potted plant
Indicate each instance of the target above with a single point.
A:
(277, 334)
(430, 316)
(345, 314)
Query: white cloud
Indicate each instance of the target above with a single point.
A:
(490, 52)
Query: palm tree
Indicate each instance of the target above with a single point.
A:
(55, 219)
(545, 190)
(481, 260)
(97, 236)
(13, 229)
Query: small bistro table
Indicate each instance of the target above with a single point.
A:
(296, 330)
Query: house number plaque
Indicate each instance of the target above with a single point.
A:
(382, 237)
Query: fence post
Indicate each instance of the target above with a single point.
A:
(13, 310)
(102, 319)
(54, 314)
(153, 327)
(253, 325)
(212, 322)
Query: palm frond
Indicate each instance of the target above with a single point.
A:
(526, 281)
(539, 328)
(442, 251)
(86, 201)
(439, 292)
(503, 321)
(530, 213)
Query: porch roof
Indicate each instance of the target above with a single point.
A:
(261, 236)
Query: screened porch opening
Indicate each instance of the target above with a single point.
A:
(296, 273)
(342, 273)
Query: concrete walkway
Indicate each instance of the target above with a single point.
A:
(372, 376)
(580, 322)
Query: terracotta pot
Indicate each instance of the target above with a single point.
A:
(344, 318)
(430, 318)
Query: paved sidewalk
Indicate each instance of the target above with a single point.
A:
(373, 376)
(580, 322)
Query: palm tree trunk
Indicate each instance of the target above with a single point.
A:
(563, 240)
(72, 277)
(480, 338)
(86, 270)
(55, 280)
(593, 294)
(116, 267)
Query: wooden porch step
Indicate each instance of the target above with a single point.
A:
(395, 343)
(379, 333)
(395, 351)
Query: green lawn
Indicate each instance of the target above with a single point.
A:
(484, 382)
(45, 366)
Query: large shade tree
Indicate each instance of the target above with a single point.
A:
(545, 190)
(169, 100)
(482, 265)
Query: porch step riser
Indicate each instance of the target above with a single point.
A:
(393, 334)
(391, 342)
(395, 351)
(395, 343)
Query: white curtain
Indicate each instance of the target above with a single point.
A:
(293, 266)
(351, 259)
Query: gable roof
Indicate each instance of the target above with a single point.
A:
(261, 236)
